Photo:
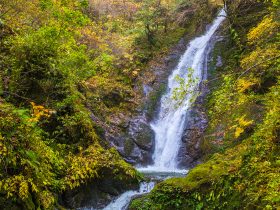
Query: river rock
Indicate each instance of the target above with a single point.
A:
(195, 126)
(96, 194)
(136, 143)
(142, 134)
(140, 143)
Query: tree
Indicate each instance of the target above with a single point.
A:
(155, 16)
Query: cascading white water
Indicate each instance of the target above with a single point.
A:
(169, 126)
(123, 201)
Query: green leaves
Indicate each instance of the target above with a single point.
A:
(46, 4)
(187, 87)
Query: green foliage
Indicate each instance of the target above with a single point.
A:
(49, 60)
(32, 167)
(52, 145)
(154, 16)
(186, 86)
(27, 166)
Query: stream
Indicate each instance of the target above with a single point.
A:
(170, 123)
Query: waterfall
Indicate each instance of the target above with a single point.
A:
(170, 123)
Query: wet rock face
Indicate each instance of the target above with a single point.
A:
(137, 144)
(143, 137)
(142, 134)
(78, 197)
(196, 124)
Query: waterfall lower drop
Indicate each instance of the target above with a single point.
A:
(170, 123)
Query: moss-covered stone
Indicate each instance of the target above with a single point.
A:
(144, 137)
(128, 146)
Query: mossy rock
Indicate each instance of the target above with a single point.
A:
(128, 146)
(144, 137)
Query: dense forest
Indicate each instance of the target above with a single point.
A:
(71, 77)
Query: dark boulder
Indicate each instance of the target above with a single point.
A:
(96, 194)
(196, 123)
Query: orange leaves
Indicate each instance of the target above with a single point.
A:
(39, 112)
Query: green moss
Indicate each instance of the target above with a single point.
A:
(154, 98)
(128, 146)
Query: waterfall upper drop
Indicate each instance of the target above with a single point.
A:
(170, 123)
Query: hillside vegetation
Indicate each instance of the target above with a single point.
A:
(241, 169)
(64, 64)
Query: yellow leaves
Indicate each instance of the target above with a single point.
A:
(47, 199)
(92, 38)
(128, 56)
(39, 112)
(240, 187)
(83, 167)
(34, 188)
(242, 100)
(238, 132)
(245, 84)
(89, 164)
(23, 190)
(264, 29)
(135, 73)
(3, 148)
(16, 185)
(260, 57)
(266, 51)
(244, 123)
(241, 125)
